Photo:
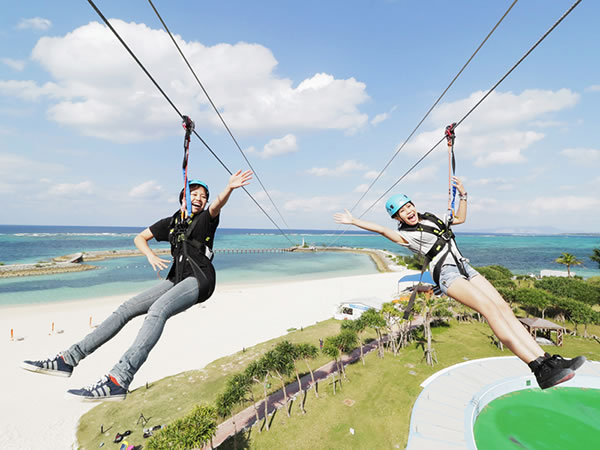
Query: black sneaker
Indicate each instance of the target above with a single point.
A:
(572, 364)
(54, 366)
(104, 389)
(549, 372)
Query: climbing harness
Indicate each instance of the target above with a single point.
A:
(180, 232)
(444, 243)
(450, 136)
(188, 125)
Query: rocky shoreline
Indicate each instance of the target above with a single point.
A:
(77, 262)
(68, 263)
(51, 268)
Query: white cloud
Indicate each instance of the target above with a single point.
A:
(501, 109)
(72, 189)
(500, 129)
(18, 171)
(277, 147)
(101, 91)
(483, 204)
(372, 174)
(35, 23)
(426, 173)
(582, 155)
(342, 169)
(361, 188)
(314, 204)
(501, 157)
(382, 117)
(379, 118)
(29, 90)
(149, 189)
(15, 64)
(550, 124)
(487, 181)
(567, 203)
(593, 88)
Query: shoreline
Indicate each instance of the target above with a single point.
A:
(190, 341)
(63, 264)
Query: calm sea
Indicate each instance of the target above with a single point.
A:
(29, 244)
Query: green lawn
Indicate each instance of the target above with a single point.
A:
(375, 401)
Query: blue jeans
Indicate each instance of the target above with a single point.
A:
(158, 303)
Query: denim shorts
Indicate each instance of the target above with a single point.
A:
(450, 272)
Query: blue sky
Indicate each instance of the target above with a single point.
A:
(319, 94)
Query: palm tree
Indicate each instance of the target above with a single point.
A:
(428, 305)
(596, 256)
(290, 351)
(568, 260)
(358, 326)
(331, 349)
(375, 320)
(346, 341)
(281, 365)
(306, 352)
(235, 394)
(258, 372)
(393, 319)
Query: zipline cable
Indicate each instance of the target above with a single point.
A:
(217, 111)
(478, 103)
(425, 116)
(108, 24)
(434, 104)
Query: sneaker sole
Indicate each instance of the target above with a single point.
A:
(36, 369)
(81, 398)
(567, 377)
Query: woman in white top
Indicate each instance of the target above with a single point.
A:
(427, 235)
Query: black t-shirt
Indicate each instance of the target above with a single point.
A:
(189, 260)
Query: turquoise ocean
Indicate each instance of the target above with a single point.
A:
(522, 254)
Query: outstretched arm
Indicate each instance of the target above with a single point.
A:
(461, 214)
(141, 242)
(237, 180)
(347, 219)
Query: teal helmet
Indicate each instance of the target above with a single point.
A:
(195, 183)
(395, 202)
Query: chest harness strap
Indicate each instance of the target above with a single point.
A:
(180, 233)
(445, 237)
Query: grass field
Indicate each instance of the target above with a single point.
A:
(375, 401)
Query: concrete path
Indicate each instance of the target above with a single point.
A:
(247, 418)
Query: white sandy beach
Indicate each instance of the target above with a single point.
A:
(36, 414)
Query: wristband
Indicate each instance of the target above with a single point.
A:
(463, 196)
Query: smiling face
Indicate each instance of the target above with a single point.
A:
(199, 198)
(407, 214)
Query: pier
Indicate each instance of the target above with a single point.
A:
(254, 250)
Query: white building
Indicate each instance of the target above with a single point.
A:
(353, 309)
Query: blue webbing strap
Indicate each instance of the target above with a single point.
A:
(188, 125)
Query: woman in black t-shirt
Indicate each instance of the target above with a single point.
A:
(190, 280)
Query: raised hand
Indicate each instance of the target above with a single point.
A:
(458, 184)
(240, 179)
(343, 218)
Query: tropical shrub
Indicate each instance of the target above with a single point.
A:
(572, 288)
(192, 431)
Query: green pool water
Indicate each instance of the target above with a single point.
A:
(559, 418)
